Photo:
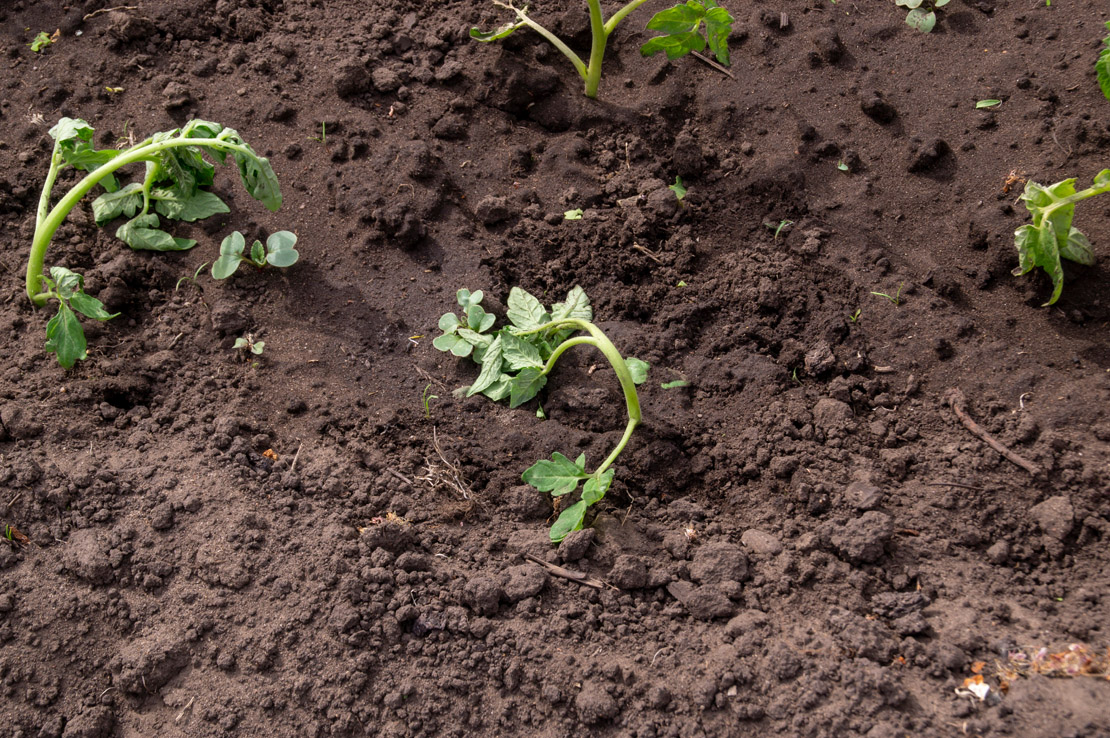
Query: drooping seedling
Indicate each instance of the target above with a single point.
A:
(681, 26)
(516, 361)
(176, 172)
(1051, 236)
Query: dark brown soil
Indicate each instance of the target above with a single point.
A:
(804, 541)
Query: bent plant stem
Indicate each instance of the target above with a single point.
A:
(48, 221)
(601, 342)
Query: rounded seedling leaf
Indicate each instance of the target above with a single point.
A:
(575, 214)
(987, 104)
(922, 20)
(279, 249)
(448, 323)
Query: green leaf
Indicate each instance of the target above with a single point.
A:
(595, 487)
(674, 46)
(90, 307)
(279, 249)
(908, 3)
(453, 343)
(638, 369)
(197, 128)
(71, 129)
(679, 19)
(921, 19)
(65, 337)
(678, 189)
(41, 41)
(718, 27)
(258, 254)
(1037, 247)
(196, 206)
(525, 386)
(142, 234)
(259, 179)
(576, 306)
(1102, 66)
(575, 214)
(569, 520)
(112, 205)
(519, 353)
(478, 319)
(491, 369)
(499, 390)
(675, 383)
(466, 298)
(449, 322)
(495, 35)
(231, 250)
(525, 311)
(1077, 248)
(559, 475)
(474, 338)
(987, 104)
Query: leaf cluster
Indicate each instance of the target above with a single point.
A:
(279, 251)
(1051, 236)
(513, 365)
(682, 29)
(922, 17)
(44, 39)
(64, 335)
(560, 476)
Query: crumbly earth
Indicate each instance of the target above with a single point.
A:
(804, 540)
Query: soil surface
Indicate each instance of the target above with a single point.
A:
(803, 540)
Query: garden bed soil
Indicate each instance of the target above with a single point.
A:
(804, 540)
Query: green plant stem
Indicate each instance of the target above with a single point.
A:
(601, 342)
(1077, 197)
(597, 49)
(555, 40)
(47, 223)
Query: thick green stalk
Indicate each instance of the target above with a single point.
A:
(47, 224)
(601, 342)
(597, 49)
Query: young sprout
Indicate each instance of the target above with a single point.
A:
(426, 399)
(896, 298)
(278, 252)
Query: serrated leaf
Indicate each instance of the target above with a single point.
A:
(90, 307)
(142, 234)
(519, 353)
(921, 19)
(491, 369)
(525, 386)
(637, 368)
(558, 475)
(499, 390)
(525, 311)
(280, 251)
(569, 521)
(576, 306)
(65, 282)
(679, 19)
(112, 205)
(196, 206)
(497, 34)
(66, 338)
(71, 129)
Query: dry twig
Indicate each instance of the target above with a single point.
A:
(574, 576)
(956, 400)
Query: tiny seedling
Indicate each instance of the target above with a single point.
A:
(854, 317)
(248, 344)
(277, 252)
(176, 170)
(778, 229)
(842, 166)
(681, 26)
(322, 139)
(679, 189)
(987, 104)
(426, 399)
(1102, 65)
(922, 15)
(516, 361)
(192, 279)
(896, 298)
(1051, 236)
(44, 39)
(575, 214)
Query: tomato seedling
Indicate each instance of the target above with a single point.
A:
(516, 361)
(681, 27)
(278, 252)
(1051, 236)
(176, 170)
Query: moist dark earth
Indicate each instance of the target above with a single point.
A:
(803, 540)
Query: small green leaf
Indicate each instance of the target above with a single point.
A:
(569, 520)
(987, 104)
(559, 475)
(231, 250)
(66, 338)
(478, 319)
(1077, 248)
(638, 369)
(197, 206)
(575, 214)
(525, 311)
(595, 487)
(842, 166)
(519, 353)
(65, 282)
(142, 234)
(496, 35)
(576, 306)
(678, 189)
(491, 369)
(467, 298)
(449, 322)
(921, 19)
(71, 129)
(674, 384)
(90, 307)
(453, 343)
(1102, 66)
(525, 386)
(674, 46)
(258, 253)
(280, 251)
(40, 42)
(112, 205)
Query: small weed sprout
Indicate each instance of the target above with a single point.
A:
(426, 399)
(192, 279)
(681, 26)
(854, 317)
(679, 190)
(516, 361)
(896, 298)
(780, 227)
(922, 15)
(247, 344)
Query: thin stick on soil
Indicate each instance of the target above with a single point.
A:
(573, 576)
(715, 65)
(956, 400)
